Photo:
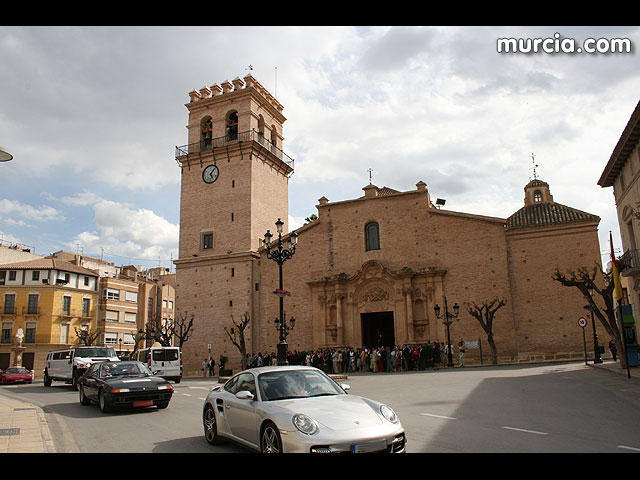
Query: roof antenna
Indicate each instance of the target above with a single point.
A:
(535, 165)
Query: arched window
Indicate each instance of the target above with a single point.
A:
(232, 125)
(372, 236)
(537, 196)
(206, 132)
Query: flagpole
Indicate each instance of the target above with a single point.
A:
(618, 295)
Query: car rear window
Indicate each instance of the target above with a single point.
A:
(168, 355)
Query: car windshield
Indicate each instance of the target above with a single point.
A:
(117, 369)
(95, 352)
(282, 384)
(16, 370)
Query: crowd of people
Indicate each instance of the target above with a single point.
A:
(374, 359)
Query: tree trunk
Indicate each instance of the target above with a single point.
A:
(494, 350)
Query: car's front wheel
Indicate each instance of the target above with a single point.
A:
(270, 441)
(83, 398)
(210, 426)
(105, 405)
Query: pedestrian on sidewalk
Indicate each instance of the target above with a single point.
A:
(613, 349)
(461, 349)
(212, 365)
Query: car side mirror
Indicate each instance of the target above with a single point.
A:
(244, 395)
(345, 387)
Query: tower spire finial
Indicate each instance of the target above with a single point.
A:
(535, 165)
(370, 172)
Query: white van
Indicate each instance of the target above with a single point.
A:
(69, 364)
(165, 362)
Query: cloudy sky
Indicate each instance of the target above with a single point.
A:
(92, 116)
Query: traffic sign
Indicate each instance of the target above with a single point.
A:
(582, 322)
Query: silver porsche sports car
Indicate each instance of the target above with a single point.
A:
(291, 409)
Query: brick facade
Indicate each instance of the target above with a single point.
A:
(340, 287)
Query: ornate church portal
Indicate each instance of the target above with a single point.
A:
(377, 307)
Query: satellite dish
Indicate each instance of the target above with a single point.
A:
(4, 155)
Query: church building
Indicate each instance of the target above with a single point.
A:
(368, 270)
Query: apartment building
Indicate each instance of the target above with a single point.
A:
(622, 172)
(51, 301)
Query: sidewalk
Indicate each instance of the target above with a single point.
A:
(23, 428)
(615, 367)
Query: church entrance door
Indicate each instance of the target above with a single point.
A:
(377, 329)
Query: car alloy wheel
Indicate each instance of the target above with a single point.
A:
(105, 407)
(210, 427)
(270, 440)
(83, 398)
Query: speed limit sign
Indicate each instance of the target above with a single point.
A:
(582, 322)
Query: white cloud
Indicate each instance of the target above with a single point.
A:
(41, 213)
(128, 232)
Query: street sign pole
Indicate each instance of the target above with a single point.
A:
(582, 323)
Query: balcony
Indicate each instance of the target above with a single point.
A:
(8, 310)
(210, 144)
(30, 311)
(630, 263)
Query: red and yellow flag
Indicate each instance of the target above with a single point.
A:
(615, 272)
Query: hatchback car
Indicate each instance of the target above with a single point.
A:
(123, 384)
(290, 409)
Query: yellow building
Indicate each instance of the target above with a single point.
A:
(50, 300)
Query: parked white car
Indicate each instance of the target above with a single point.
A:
(165, 362)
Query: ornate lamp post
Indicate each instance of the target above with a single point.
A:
(281, 255)
(447, 322)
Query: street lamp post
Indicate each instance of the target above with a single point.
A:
(281, 255)
(447, 322)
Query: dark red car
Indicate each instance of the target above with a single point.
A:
(16, 375)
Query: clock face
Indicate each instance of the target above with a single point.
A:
(210, 174)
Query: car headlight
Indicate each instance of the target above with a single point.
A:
(389, 414)
(304, 423)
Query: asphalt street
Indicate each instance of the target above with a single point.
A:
(551, 408)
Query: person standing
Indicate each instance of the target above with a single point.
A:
(212, 366)
(205, 366)
(613, 349)
(461, 349)
(436, 356)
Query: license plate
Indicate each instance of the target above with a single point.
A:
(369, 447)
(143, 403)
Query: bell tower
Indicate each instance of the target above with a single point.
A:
(234, 186)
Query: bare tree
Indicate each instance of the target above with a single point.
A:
(181, 329)
(236, 334)
(86, 337)
(159, 331)
(485, 314)
(585, 281)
